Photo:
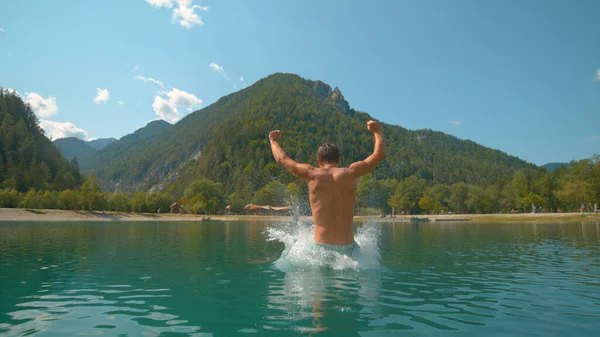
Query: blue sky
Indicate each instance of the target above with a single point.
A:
(519, 76)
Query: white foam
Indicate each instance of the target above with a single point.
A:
(301, 253)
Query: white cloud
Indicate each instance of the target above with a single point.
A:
(183, 98)
(169, 110)
(43, 107)
(120, 103)
(218, 69)
(102, 96)
(165, 110)
(455, 123)
(135, 68)
(241, 79)
(149, 79)
(597, 76)
(56, 130)
(160, 3)
(184, 13)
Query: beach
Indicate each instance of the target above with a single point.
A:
(20, 214)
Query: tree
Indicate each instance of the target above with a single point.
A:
(459, 193)
(477, 200)
(118, 202)
(411, 189)
(139, 202)
(398, 201)
(159, 201)
(91, 196)
(273, 193)
(428, 204)
(572, 194)
(9, 198)
(534, 199)
(292, 193)
(365, 188)
(236, 202)
(521, 188)
(68, 199)
(440, 194)
(204, 196)
(507, 197)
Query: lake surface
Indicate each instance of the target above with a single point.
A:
(222, 279)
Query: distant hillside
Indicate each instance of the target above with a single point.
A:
(28, 159)
(150, 130)
(115, 151)
(227, 142)
(553, 166)
(74, 147)
(101, 143)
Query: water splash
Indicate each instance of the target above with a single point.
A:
(301, 252)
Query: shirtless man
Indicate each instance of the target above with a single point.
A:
(332, 189)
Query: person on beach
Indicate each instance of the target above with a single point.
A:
(332, 189)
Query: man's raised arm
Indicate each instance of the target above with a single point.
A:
(302, 171)
(361, 168)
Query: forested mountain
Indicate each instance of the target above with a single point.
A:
(72, 147)
(227, 142)
(310, 113)
(101, 143)
(119, 150)
(28, 159)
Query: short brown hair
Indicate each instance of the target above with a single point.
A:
(328, 153)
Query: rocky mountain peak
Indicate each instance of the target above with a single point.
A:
(321, 89)
(333, 97)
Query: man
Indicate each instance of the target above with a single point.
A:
(332, 189)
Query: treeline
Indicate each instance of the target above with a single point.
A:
(88, 197)
(28, 159)
(201, 197)
(563, 189)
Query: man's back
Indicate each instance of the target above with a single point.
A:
(332, 193)
(332, 190)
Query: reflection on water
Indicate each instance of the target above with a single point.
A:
(220, 279)
(322, 300)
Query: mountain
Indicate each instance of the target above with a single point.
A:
(28, 159)
(553, 166)
(150, 130)
(101, 143)
(227, 142)
(117, 152)
(74, 147)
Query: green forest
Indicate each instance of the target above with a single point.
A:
(220, 156)
(28, 159)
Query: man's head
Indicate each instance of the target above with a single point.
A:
(328, 154)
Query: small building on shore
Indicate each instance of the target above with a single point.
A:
(177, 209)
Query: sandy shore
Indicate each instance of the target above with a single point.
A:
(17, 214)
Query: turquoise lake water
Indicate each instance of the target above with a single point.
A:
(228, 279)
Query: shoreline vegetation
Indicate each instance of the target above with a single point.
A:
(52, 215)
